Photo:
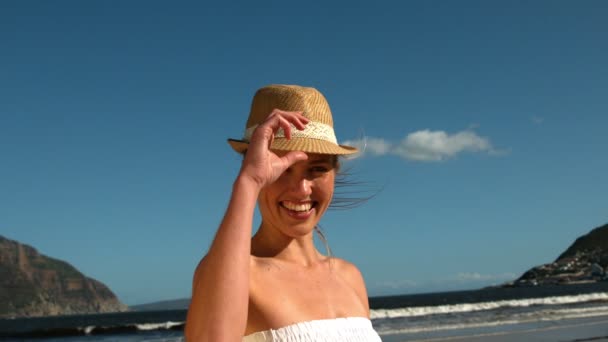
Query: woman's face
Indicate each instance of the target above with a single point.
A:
(295, 202)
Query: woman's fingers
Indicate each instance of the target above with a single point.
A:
(293, 157)
(265, 133)
(299, 120)
(284, 124)
(295, 118)
(285, 120)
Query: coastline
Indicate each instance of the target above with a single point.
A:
(566, 330)
(571, 313)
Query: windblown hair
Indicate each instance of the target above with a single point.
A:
(349, 193)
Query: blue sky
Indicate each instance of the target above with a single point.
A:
(485, 124)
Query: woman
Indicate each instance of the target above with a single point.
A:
(277, 286)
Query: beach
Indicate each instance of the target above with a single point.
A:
(565, 330)
(559, 313)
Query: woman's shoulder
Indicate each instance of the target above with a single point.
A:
(347, 269)
(353, 277)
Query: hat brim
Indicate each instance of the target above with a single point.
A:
(307, 145)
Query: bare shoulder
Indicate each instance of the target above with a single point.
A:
(348, 270)
(353, 277)
(198, 272)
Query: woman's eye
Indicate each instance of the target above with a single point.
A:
(319, 169)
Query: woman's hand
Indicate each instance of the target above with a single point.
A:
(261, 165)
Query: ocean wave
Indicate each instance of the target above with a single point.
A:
(131, 328)
(96, 330)
(519, 318)
(159, 326)
(470, 307)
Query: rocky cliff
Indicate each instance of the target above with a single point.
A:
(32, 284)
(586, 260)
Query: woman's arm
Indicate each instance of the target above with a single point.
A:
(220, 294)
(218, 308)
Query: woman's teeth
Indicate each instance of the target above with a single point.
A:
(303, 207)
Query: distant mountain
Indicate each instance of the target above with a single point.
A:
(32, 284)
(585, 261)
(176, 304)
(597, 239)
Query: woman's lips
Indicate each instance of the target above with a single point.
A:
(299, 210)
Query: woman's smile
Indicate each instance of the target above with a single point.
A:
(299, 210)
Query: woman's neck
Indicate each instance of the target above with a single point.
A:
(271, 243)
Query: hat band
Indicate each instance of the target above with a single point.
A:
(312, 130)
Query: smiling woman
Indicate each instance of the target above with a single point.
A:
(277, 286)
(300, 196)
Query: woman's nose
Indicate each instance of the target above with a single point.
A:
(303, 186)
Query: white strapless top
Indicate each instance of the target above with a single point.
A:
(350, 329)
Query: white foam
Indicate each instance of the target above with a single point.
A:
(157, 326)
(529, 317)
(470, 307)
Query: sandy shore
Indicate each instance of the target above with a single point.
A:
(567, 330)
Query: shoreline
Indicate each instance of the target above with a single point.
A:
(567, 330)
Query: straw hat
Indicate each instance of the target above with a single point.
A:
(317, 137)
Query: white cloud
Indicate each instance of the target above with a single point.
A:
(425, 145)
(374, 146)
(438, 145)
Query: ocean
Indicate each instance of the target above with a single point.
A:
(418, 317)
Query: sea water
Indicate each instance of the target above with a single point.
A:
(398, 318)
